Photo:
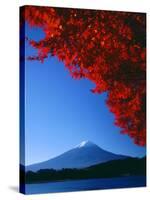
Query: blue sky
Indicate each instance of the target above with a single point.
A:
(61, 112)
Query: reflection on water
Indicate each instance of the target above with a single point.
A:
(88, 184)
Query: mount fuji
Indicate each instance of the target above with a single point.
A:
(83, 155)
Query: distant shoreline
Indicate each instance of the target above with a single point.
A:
(111, 169)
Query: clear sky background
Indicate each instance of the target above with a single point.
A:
(61, 112)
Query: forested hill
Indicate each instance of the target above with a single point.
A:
(115, 168)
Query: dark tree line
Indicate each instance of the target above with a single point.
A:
(116, 168)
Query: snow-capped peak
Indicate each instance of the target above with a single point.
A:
(85, 143)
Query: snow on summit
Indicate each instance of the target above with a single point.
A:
(85, 143)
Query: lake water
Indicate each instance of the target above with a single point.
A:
(86, 184)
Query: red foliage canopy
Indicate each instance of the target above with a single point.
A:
(106, 47)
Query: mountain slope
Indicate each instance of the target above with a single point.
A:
(83, 155)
